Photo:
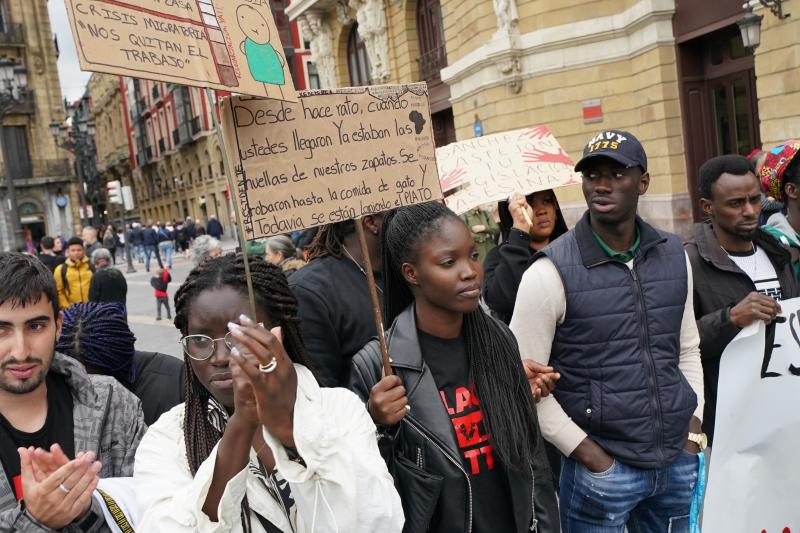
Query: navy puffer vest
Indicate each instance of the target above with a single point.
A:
(619, 346)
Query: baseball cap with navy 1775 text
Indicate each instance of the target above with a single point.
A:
(621, 146)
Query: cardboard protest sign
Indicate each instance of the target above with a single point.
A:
(333, 156)
(754, 475)
(231, 45)
(491, 168)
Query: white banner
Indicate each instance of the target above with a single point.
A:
(754, 480)
(491, 168)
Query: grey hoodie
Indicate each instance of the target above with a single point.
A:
(107, 420)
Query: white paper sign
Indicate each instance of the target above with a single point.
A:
(491, 168)
(754, 479)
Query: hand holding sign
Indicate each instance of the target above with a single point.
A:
(488, 168)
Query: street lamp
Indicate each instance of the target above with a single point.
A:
(750, 27)
(80, 141)
(13, 79)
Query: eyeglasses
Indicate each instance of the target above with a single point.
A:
(201, 347)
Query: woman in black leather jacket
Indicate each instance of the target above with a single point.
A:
(457, 419)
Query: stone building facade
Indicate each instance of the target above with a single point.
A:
(113, 161)
(673, 72)
(46, 197)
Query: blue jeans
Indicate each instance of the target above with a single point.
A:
(646, 501)
(149, 250)
(138, 252)
(167, 248)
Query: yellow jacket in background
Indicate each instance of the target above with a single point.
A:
(76, 288)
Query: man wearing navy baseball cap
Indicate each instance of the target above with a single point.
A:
(609, 306)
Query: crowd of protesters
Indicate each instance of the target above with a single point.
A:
(557, 380)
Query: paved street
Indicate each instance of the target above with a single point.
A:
(152, 335)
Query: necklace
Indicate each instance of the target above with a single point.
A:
(358, 265)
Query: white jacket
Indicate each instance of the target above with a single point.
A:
(344, 487)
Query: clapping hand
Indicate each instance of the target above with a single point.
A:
(261, 362)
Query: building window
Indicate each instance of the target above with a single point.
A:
(313, 76)
(432, 53)
(357, 59)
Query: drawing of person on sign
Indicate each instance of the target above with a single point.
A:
(265, 63)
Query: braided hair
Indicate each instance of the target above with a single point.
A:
(272, 294)
(492, 352)
(329, 240)
(97, 334)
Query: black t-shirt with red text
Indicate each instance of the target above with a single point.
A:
(57, 429)
(491, 499)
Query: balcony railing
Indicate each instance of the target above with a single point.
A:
(12, 34)
(41, 168)
(162, 146)
(195, 126)
(431, 63)
(25, 103)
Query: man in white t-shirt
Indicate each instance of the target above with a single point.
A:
(740, 271)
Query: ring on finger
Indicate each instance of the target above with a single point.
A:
(64, 489)
(269, 367)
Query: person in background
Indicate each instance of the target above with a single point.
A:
(334, 303)
(214, 227)
(609, 306)
(110, 243)
(150, 242)
(523, 236)
(256, 249)
(61, 430)
(466, 388)
(30, 246)
(741, 272)
(137, 241)
(304, 242)
(48, 255)
(780, 177)
(73, 277)
(119, 237)
(108, 284)
(59, 244)
(98, 335)
(160, 283)
(258, 446)
(484, 229)
(166, 246)
(90, 242)
(281, 251)
(204, 248)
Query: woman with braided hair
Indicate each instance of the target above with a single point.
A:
(258, 445)
(98, 335)
(458, 414)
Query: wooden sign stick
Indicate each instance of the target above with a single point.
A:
(376, 303)
(236, 207)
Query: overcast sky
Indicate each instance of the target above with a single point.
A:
(73, 80)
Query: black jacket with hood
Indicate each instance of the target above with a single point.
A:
(718, 286)
(422, 454)
(504, 265)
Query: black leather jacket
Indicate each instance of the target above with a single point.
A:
(422, 454)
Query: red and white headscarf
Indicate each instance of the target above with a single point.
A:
(775, 165)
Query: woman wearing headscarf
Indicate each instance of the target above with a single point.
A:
(780, 179)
